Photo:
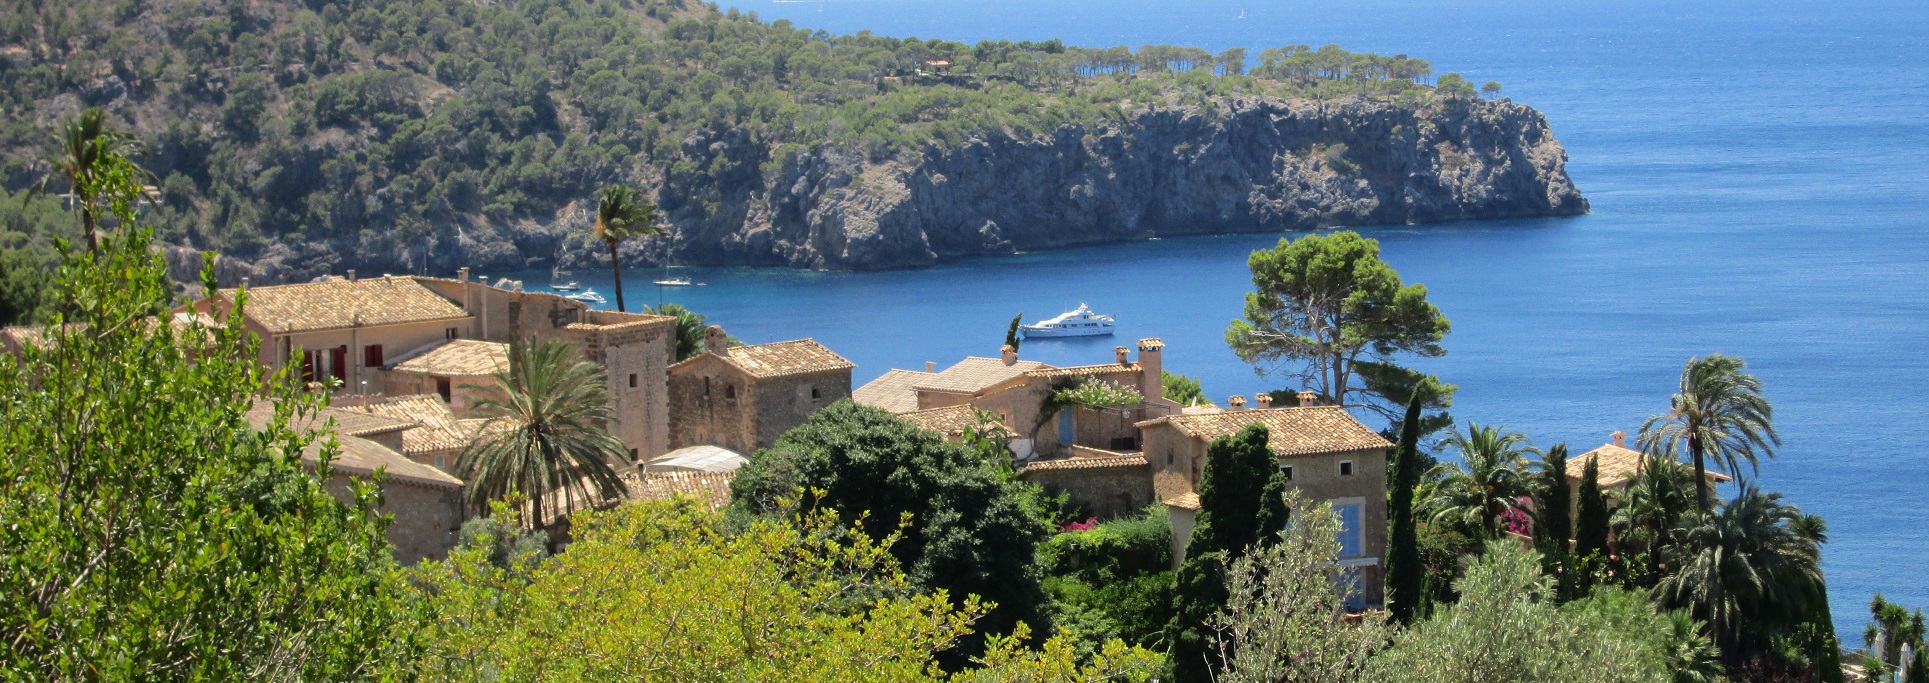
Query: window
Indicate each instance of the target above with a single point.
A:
(372, 356)
(632, 380)
(449, 333)
(441, 462)
(816, 394)
(1168, 457)
(1346, 468)
(632, 454)
(1287, 471)
(442, 388)
(1350, 513)
(730, 391)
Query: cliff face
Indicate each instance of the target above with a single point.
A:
(1250, 166)
(1246, 165)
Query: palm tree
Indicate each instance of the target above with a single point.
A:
(1750, 567)
(621, 214)
(1719, 412)
(1650, 510)
(689, 328)
(1490, 480)
(545, 436)
(81, 151)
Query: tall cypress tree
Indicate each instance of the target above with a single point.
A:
(1556, 503)
(1404, 575)
(1591, 520)
(1241, 504)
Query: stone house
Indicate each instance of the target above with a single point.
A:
(1325, 453)
(1617, 465)
(369, 333)
(1015, 390)
(427, 504)
(1113, 485)
(436, 440)
(743, 398)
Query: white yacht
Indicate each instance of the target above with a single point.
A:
(570, 286)
(672, 282)
(1079, 322)
(587, 295)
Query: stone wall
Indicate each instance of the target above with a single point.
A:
(1104, 492)
(711, 403)
(426, 517)
(782, 403)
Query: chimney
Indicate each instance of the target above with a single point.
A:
(1620, 438)
(462, 274)
(930, 366)
(1307, 398)
(715, 341)
(1151, 368)
(1237, 402)
(1123, 355)
(244, 281)
(1008, 354)
(1263, 400)
(351, 275)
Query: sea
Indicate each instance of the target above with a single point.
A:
(1759, 174)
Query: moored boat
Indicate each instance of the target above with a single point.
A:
(570, 286)
(672, 282)
(588, 296)
(1078, 322)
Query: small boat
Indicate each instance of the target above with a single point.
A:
(587, 295)
(565, 286)
(1242, 14)
(672, 282)
(1078, 322)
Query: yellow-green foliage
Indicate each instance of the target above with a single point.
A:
(661, 591)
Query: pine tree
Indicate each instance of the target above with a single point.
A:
(1404, 574)
(1240, 506)
(1591, 520)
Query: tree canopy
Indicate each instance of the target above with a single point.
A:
(1327, 312)
(970, 532)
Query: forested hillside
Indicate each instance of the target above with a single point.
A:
(424, 134)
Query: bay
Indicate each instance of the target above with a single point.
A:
(1757, 172)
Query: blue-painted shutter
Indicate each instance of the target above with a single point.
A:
(1350, 526)
(1065, 430)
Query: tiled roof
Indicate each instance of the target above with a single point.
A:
(1202, 409)
(1109, 462)
(783, 359)
(1293, 431)
(456, 358)
(438, 430)
(976, 374)
(1187, 501)
(348, 422)
(360, 456)
(949, 421)
(341, 303)
(1619, 464)
(713, 488)
(1082, 370)
(893, 391)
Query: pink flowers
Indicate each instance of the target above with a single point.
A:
(1080, 526)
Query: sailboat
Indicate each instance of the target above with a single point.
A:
(1242, 14)
(668, 281)
(556, 281)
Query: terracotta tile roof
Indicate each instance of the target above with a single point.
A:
(360, 456)
(1202, 409)
(976, 374)
(341, 303)
(949, 421)
(1294, 431)
(347, 421)
(455, 358)
(1079, 370)
(1187, 501)
(782, 359)
(713, 488)
(1108, 462)
(893, 391)
(438, 430)
(1619, 464)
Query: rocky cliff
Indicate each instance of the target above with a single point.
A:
(1240, 165)
(1246, 165)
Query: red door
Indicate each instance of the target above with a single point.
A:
(338, 363)
(308, 373)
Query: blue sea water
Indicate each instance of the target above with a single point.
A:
(1759, 172)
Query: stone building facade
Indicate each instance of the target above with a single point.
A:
(744, 397)
(1102, 484)
(1326, 453)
